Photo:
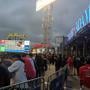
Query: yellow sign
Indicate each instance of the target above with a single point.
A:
(17, 36)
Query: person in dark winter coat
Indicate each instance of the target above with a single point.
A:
(44, 62)
(4, 75)
(58, 62)
(77, 64)
(40, 65)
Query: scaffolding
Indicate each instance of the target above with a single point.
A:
(47, 22)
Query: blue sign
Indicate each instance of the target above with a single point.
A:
(84, 20)
(71, 34)
(17, 51)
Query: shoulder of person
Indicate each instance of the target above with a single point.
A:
(82, 67)
(18, 62)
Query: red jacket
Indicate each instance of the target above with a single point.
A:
(84, 73)
(30, 71)
(70, 61)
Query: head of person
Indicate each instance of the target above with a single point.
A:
(31, 55)
(88, 60)
(0, 61)
(25, 55)
(16, 57)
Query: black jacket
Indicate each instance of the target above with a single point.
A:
(4, 76)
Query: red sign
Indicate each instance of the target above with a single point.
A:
(2, 41)
(40, 45)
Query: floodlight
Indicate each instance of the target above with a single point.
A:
(40, 4)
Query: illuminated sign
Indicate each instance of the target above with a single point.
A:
(14, 46)
(40, 4)
(17, 36)
(2, 48)
(84, 20)
(71, 34)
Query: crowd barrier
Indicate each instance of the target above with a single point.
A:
(34, 84)
(56, 81)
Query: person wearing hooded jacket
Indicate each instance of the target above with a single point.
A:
(18, 68)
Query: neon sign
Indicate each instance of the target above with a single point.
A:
(84, 20)
(71, 34)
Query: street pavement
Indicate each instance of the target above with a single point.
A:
(72, 81)
(50, 71)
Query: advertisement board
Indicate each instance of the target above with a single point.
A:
(83, 20)
(80, 24)
(40, 4)
(14, 45)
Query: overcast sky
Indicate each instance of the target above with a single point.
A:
(20, 16)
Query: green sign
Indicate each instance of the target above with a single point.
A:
(2, 48)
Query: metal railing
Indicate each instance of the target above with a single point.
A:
(34, 84)
(56, 80)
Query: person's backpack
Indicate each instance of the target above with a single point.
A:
(30, 72)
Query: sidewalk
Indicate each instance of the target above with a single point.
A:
(72, 83)
(50, 71)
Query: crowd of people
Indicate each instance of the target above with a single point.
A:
(80, 66)
(17, 68)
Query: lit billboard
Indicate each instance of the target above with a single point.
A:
(80, 24)
(40, 4)
(14, 45)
